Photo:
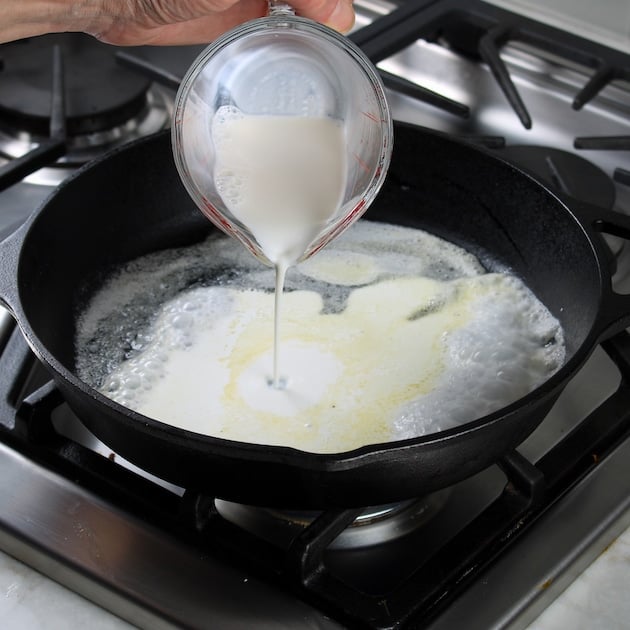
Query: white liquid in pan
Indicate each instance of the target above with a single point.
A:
(389, 333)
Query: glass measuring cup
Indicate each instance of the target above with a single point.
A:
(294, 72)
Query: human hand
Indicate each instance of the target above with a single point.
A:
(153, 22)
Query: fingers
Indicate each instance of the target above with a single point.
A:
(342, 17)
(194, 28)
(338, 14)
(201, 23)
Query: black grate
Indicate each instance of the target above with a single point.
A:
(306, 566)
(480, 30)
(54, 146)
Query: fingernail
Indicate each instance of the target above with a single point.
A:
(342, 17)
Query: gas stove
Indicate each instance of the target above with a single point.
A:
(555, 103)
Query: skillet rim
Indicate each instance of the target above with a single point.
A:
(318, 462)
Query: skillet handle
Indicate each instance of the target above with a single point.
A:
(614, 313)
(10, 249)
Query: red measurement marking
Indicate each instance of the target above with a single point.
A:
(182, 119)
(216, 217)
(362, 164)
(350, 218)
(372, 117)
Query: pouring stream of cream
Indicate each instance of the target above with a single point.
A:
(283, 178)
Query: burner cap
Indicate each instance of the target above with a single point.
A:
(564, 172)
(99, 93)
(376, 525)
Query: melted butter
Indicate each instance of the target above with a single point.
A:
(342, 268)
(412, 338)
(346, 373)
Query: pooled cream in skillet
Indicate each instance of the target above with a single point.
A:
(388, 333)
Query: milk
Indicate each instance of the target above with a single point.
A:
(283, 178)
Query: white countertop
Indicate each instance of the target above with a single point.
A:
(599, 598)
(31, 601)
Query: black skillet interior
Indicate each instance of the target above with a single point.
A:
(135, 203)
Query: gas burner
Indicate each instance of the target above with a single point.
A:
(564, 172)
(104, 104)
(375, 525)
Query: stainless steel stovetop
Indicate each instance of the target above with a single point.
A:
(148, 565)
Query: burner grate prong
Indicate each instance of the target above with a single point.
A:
(58, 98)
(51, 149)
(149, 70)
(43, 155)
(603, 143)
(489, 46)
(423, 94)
(602, 77)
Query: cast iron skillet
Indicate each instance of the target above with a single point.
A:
(132, 202)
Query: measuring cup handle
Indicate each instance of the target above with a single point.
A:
(278, 7)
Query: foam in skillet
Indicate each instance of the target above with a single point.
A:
(388, 333)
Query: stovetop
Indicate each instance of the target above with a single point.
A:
(162, 556)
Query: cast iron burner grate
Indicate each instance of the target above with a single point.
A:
(352, 587)
(99, 95)
(478, 30)
(65, 99)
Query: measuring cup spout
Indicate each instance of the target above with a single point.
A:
(282, 134)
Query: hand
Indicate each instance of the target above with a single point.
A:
(152, 22)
